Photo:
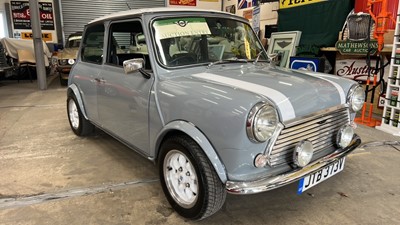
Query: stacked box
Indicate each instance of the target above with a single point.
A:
(394, 76)
(396, 119)
(397, 57)
(393, 96)
(387, 117)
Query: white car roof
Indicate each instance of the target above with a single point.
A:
(151, 10)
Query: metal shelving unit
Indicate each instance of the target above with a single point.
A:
(391, 112)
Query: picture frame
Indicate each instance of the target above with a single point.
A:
(284, 44)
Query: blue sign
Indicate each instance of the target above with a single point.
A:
(307, 63)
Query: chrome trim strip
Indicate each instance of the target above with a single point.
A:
(299, 120)
(269, 183)
(309, 133)
(272, 141)
(322, 136)
(327, 118)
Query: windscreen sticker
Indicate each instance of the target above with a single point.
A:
(247, 47)
(180, 27)
(75, 38)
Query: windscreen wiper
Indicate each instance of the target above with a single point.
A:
(222, 61)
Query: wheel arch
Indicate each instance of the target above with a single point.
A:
(190, 130)
(73, 89)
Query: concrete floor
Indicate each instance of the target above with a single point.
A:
(51, 176)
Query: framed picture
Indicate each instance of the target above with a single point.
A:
(284, 44)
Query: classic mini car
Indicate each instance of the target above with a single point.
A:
(208, 108)
(65, 58)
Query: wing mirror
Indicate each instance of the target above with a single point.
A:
(133, 65)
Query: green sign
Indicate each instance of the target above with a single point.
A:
(356, 47)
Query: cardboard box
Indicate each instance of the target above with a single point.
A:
(388, 37)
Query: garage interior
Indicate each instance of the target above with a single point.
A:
(52, 176)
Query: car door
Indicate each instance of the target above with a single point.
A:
(123, 99)
(87, 73)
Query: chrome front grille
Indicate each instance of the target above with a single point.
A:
(321, 130)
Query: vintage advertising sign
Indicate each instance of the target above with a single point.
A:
(47, 37)
(243, 4)
(231, 9)
(248, 14)
(284, 4)
(181, 27)
(356, 47)
(21, 15)
(183, 2)
(256, 19)
(356, 69)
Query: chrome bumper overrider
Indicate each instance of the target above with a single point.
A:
(252, 187)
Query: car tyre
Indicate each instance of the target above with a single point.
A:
(79, 125)
(188, 179)
(63, 82)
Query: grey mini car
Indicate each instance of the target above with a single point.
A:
(201, 101)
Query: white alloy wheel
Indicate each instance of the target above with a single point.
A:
(79, 124)
(188, 179)
(181, 179)
(73, 114)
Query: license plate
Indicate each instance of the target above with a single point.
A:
(321, 175)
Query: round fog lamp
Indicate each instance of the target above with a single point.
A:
(344, 136)
(71, 61)
(303, 153)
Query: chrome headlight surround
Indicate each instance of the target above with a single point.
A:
(63, 62)
(303, 153)
(344, 136)
(71, 61)
(262, 122)
(356, 98)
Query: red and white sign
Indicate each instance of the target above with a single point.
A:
(356, 69)
(22, 19)
(183, 2)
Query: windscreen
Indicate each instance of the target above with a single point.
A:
(198, 40)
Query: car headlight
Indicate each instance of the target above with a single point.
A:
(71, 61)
(356, 98)
(63, 62)
(261, 122)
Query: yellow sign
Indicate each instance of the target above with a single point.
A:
(45, 36)
(284, 4)
(247, 48)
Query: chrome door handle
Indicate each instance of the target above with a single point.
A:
(100, 80)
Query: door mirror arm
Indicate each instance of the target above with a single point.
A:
(145, 74)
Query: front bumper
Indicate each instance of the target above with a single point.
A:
(64, 69)
(266, 184)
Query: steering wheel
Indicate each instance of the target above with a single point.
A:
(183, 59)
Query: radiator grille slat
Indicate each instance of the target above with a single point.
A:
(321, 130)
(309, 134)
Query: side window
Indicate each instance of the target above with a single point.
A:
(127, 41)
(92, 50)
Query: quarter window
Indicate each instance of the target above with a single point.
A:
(92, 50)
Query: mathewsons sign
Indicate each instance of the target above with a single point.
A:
(356, 47)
